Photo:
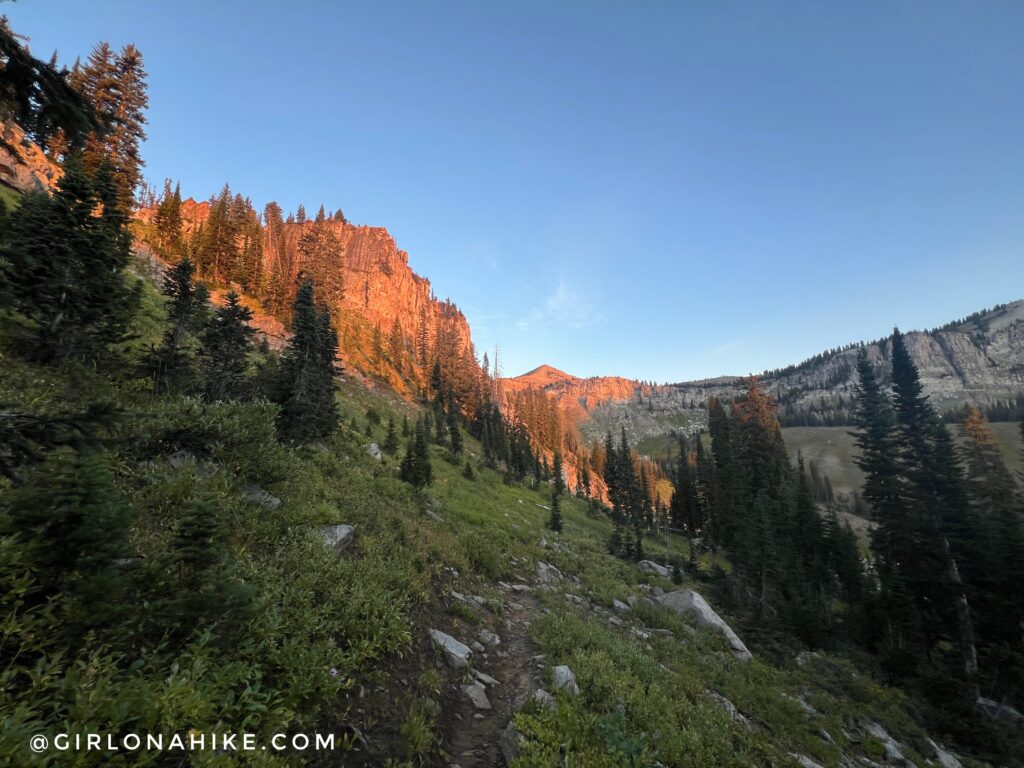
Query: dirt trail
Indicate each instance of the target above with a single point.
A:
(472, 742)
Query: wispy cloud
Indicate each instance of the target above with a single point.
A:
(565, 307)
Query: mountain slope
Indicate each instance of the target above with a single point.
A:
(979, 360)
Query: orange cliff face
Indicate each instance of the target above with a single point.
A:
(384, 311)
(575, 397)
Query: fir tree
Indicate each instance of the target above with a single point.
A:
(308, 407)
(555, 517)
(227, 344)
(390, 444)
(64, 264)
(173, 362)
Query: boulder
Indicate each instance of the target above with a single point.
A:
(729, 708)
(620, 606)
(488, 638)
(998, 711)
(456, 654)
(893, 753)
(946, 759)
(565, 680)
(484, 678)
(804, 761)
(338, 537)
(508, 743)
(256, 495)
(686, 601)
(544, 699)
(374, 450)
(649, 566)
(180, 459)
(547, 573)
(477, 694)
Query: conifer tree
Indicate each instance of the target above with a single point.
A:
(63, 264)
(416, 468)
(559, 479)
(390, 444)
(115, 85)
(227, 344)
(555, 518)
(40, 98)
(308, 407)
(75, 523)
(172, 363)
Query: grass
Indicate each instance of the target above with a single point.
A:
(329, 627)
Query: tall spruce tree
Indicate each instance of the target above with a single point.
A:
(308, 406)
(227, 345)
(63, 257)
(173, 363)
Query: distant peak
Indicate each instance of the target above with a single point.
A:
(546, 374)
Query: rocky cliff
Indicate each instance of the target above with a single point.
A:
(23, 165)
(979, 360)
(380, 302)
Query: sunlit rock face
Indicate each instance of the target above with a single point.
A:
(23, 165)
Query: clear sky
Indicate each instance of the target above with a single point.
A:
(661, 190)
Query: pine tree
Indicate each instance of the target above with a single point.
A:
(227, 344)
(454, 434)
(173, 362)
(555, 518)
(416, 468)
(116, 88)
(308, 407)
(63, 264)
(167, 221)
(40, 98)
(938, 495)
(559, 478)
(390, 444)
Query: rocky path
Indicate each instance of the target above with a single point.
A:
(471, 734)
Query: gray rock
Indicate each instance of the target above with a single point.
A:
(488, 638)
(686, 601)
(180, 459)
(807, 708)
(544, 699)
(893, 753)
(565, 680)
(946, 759)
(805, 762)
(998, 711)
(338, 537)
(729, 708)
(477, 694)
(547, 573)
(649, 566)
(484, 678)
(478, 647)
(521, 588)
(374, 450)
(265, 499)
(620, 606)
(508, 743)
(456, 654)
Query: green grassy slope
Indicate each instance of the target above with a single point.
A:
(338, 642)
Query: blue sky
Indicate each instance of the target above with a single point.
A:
(661, 190)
